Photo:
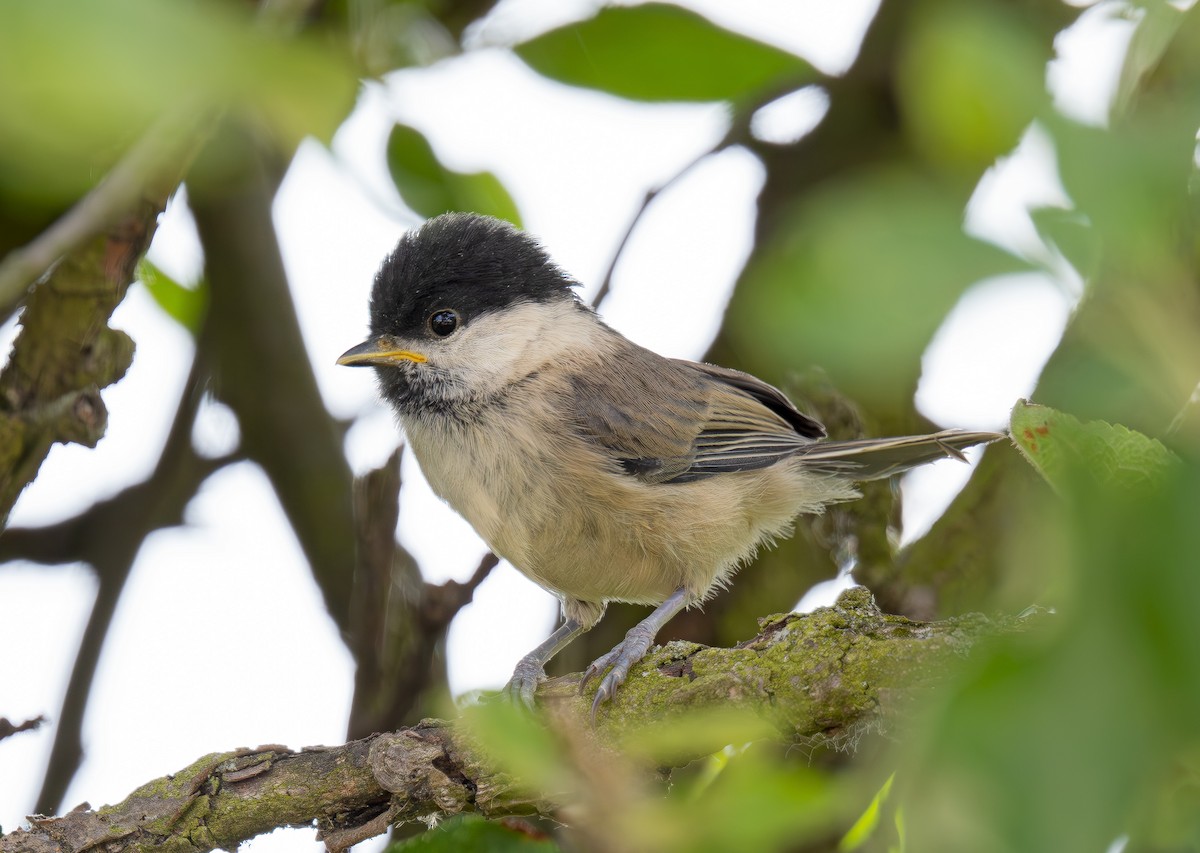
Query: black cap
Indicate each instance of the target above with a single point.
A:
(466, 262)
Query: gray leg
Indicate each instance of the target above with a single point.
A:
(631, 650)
(531, 669)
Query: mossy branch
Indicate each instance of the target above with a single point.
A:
(65, 352)
(828, 673)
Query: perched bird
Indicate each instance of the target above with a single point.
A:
(601, 470)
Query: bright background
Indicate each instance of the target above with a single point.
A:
(337, 215)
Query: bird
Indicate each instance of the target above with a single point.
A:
(601, 470)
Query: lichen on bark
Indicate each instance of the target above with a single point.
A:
(65, 352)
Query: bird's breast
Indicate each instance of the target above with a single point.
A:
(563, 514)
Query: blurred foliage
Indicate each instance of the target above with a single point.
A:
(868, 823)
(471, 833)
(752, 797)
(1066, 743)
(1064, 740)
(859, 278)
(948, 117)
(80, 81)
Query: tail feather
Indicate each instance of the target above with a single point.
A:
(876, 458)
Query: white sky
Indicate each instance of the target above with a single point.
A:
(221, 639)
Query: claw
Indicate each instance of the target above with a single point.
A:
(621, 659)
(598, 666)
(531, 669)
(629, 651)
(603, 694)
(524, 682)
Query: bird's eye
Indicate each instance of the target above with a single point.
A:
(443, 323)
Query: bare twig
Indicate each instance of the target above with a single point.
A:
(400, 620)
(107, 537)
(8, 729)
(443, 601)
(647, 199)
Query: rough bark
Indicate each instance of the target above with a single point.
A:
(829, 674)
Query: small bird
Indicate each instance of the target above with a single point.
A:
(601, 470)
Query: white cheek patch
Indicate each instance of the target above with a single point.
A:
(496, 349)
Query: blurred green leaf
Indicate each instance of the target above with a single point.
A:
(1069, 232)
(971, 80)
(1056, 443)
(696, 733)
(185, 305)
(760, 802)
(430, 188)
(868, 822)
(1144, 192)
(1063, 739)
(857, 279)
(660, 52)
(1160, 21)
(80, 81)
(520, 743)
(469, 833)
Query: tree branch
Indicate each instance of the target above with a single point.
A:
(151, 168)
(254, 339)
(826, 674)
(66, 351)
(107, 537)
(400, 621)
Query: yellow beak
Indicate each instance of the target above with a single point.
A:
(381, 351)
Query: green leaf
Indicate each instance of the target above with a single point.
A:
(80, 81)
(865, 826)
(659, 52)
(1135, 210)
(1057, 444)
(185, 305)
(430, 188)
(971, 80)
(857, 279)
(1159, 24)
(1070, 233)
(517, 741)
(473, 833)
(760, 801)
(672, 740)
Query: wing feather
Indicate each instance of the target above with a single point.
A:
(688, 421)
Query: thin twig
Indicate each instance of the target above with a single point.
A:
(647, 199)
(108, 537)
(441, 602)
(8, 729)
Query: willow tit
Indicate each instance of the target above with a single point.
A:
(601, 470)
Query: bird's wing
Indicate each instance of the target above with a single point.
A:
(767, 395)
(692, 421)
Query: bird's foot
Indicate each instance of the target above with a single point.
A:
(529, 673)
(618, 662)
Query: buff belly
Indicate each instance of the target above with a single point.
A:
(592, 533)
